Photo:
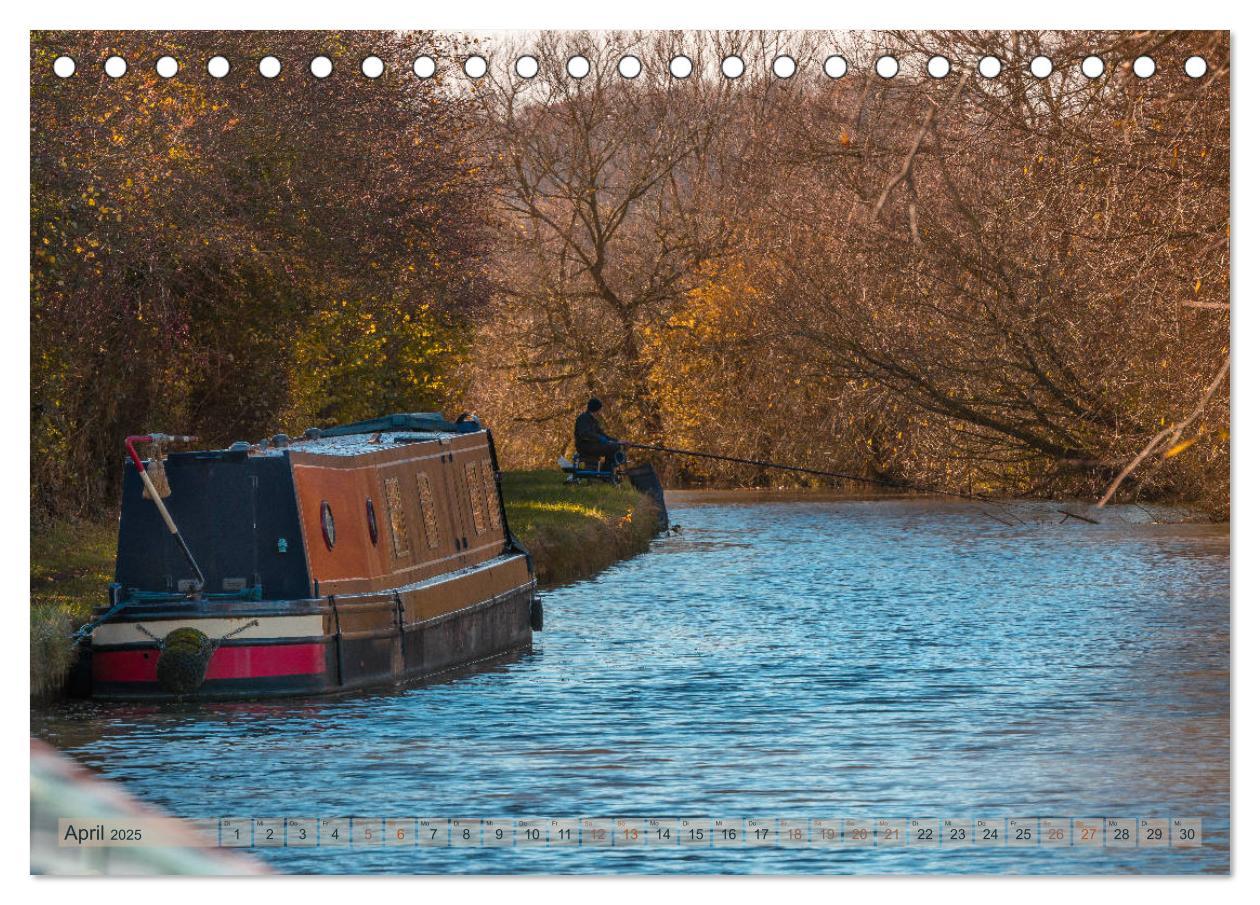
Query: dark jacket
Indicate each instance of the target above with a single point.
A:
(589, 436)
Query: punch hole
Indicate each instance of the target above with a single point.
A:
(578, 66)
(629, 66)
(732, 66)
(887, 66)
(1040, 66)
(1092, 66)
(1144, 67)
(938, 67)
(1196, 67)
(527, 66)
(269, 67)
(218, 67)
(63, 67)
(372, 66)
(784, 66)
(990, 67)
(321, 67)
(115, 67)
(475, 66)
(835, 66)
(424, 66)
(167, 67)
(680, 66)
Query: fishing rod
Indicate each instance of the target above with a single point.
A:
(879, 482)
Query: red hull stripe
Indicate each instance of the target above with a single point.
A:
(244, 662)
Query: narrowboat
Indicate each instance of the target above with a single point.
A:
(359, 555)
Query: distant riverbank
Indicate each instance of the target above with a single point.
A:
(572, 532)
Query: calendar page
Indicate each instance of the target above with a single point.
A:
(630, 452)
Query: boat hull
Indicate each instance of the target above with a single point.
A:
(324, 645)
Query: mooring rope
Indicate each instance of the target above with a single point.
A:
(88, 627)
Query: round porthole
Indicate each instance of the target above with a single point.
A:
(371, 517)
(326, 522)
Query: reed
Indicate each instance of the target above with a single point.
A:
(72, 562)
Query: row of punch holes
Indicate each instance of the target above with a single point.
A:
(629, 66)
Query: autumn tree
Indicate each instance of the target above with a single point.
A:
(231, 256)
(1002, 281)
(1036, 267)
(606, 185)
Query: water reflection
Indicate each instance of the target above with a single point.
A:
(795, 658)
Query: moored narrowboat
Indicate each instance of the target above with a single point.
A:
(365, 554)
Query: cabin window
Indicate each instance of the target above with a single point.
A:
(492, 494)
(397, 518)
(373, 532)
(476, 496)
(428, 515)
(327, 524)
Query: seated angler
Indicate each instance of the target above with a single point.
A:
(591, 441)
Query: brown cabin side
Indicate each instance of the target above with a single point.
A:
(435, 504)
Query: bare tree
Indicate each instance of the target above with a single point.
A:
(609, 188)
(1003, 282)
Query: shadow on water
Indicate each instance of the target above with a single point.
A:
(784, 657)
(78, 723)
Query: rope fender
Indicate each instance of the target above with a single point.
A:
(184, 656)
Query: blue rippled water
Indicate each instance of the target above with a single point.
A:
(777, 658)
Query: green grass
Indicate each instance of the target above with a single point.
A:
(542, 499)
(572, 531)
(72, 563)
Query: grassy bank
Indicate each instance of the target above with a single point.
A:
(571, 531)
(71, 565)
(575, 531)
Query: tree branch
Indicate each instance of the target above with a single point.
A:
(1168, 436)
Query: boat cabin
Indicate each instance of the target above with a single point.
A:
(365, 553)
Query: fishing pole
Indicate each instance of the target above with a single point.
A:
(879, 482)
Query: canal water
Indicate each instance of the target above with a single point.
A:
(776, 658)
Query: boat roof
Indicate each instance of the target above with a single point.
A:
(415, 422)
(375, 434)
(356, 444)
(354, 439)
